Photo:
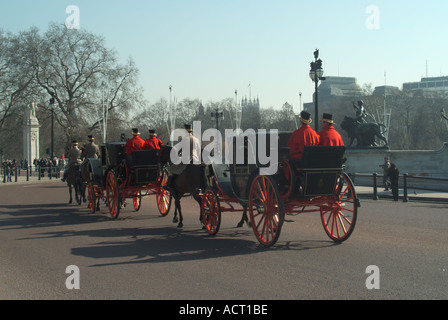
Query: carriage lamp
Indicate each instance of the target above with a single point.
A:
(316, 75)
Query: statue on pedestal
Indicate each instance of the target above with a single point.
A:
(364, 132)
(30, 133)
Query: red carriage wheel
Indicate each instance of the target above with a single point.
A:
(265, 210)
(91, 198)
(163, 196)
(211, 212)
(113, 195)
(339, 215)
(137, 200)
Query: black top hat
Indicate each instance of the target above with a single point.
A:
(188, 127)
(305, 117)
(152, 132)
(328, 118)
(135, 132)
(75, 142)
(91, 138)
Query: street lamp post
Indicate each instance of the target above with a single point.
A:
(216, 116)
(316, 75)
(52, 102)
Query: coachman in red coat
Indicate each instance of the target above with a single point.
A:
(134, 144)
(329, 136)
(153, 143)
(305, 136)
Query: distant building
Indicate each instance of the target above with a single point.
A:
(388, 90)
(428, 84)
(250, 114)
(333, 90)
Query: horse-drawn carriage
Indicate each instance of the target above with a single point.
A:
(115, 178)
(319, 185)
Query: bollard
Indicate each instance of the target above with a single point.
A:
(375, 188)
(16, 177)
(405, 188)
(4, 174)
(27, 173)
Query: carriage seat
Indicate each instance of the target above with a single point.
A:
(323, 157)
(321, 166)
(145, 165)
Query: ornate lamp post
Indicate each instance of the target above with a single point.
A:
(52, 102)
(316, 75)
(216, 116)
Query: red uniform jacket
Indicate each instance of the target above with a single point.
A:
(301, 138)
(134, 144)
(153, 143)
(330, 137)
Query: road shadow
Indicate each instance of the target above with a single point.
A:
(169, 244)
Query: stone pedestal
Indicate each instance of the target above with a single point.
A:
(31, 134)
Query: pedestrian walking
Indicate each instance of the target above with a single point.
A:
(386, 166)
(394, 175)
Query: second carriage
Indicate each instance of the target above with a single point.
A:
(320, 185)
(116, 178)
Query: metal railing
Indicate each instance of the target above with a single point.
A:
(12, 175)
(405, 183)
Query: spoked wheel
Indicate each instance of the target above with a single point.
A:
(113, 195)
(286, 183)
(265, 210)
(137, 200)
(211, 212)
(339, 216)
(163, 196)
(91, 197)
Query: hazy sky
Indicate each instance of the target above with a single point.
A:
(208, 48)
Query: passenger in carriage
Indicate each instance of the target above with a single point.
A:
(134, 144)
(91, 149)
(305, 136)
(74, 158)
(195, 158)
(153, 143)
(329, 136)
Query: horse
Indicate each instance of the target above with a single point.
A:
(189, 182)
(364, 133)
(74, 181)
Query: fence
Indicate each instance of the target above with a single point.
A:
(12, 175)
(406, 182)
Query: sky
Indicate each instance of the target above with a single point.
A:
(207, 49)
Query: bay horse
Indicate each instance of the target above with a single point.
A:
(188, 183)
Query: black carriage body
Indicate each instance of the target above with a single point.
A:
(321, 166)
(145, 165)
(246, 160)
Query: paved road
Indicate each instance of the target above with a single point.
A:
(144, 256)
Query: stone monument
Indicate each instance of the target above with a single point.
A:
(30, 134)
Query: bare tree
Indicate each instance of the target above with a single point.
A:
(82, 76)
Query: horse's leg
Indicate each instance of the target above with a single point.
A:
(176, 208)
(199, 201)
(70, 193)
(78, 194)
(181, 219)
(244, 219)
